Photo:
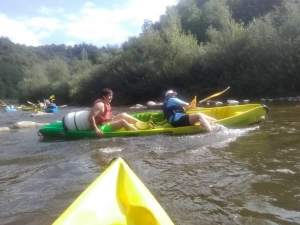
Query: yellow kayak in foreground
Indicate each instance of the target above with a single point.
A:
(116, 197)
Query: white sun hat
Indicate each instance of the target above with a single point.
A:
(170, 92)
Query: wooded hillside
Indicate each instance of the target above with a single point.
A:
(197, 47)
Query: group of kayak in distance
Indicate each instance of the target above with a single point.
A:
(47, 105)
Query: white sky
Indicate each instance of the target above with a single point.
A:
(97, 22)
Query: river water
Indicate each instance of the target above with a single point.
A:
(229, 176)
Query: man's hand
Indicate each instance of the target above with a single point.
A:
(99, 133)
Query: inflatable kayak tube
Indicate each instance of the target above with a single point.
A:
(77, 121)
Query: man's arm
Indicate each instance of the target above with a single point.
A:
(97, 110)
(182, 103)
(185, 105)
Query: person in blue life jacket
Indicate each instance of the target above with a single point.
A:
(49, 105)
(174, 111)
(11, 106)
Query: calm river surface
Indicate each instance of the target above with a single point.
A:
(230, 176)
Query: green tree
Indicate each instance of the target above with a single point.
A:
(2, 89)
(10, 74)
(217, 14)
(80, 66)
(35, 83)
(247, 10)
(192, 19)
(57, 70)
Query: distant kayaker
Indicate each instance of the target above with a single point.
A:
(101, 114)
(10, 106)
(174, 111)
(49, 105)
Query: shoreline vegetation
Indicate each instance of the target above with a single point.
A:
(198, 47)
(212, 102)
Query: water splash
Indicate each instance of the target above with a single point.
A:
(110, 150)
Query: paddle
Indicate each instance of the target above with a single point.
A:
(214, 95)
(41, 104)
(193, 103)
(30, 103)
(2, 102)
(52, 97)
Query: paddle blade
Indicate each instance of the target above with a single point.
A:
(30, 103)
(2, 102)
(52, 96)
(214, 95)
(193, 103)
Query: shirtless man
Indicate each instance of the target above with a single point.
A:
(101, 114)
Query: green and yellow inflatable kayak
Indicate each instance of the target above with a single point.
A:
(76, 124)
(116, 197)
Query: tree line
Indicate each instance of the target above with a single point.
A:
(197, 48)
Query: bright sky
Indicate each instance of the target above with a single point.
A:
(97, 22)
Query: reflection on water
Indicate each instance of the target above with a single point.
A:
(229, 176)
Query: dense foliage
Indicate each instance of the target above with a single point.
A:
(198, 47)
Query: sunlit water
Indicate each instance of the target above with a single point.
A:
(229, 176)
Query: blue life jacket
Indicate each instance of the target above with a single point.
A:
(171, 110)
(51, 106)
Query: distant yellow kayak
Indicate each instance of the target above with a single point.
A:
(116, 197)
(30, 108)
